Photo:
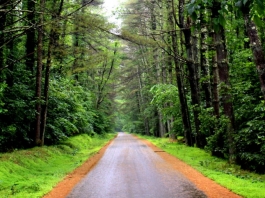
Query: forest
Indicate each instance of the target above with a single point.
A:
(188, 70)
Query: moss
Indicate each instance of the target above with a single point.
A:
(34, 172)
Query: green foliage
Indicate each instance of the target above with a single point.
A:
(70, 111)
(16, 118)
(251, 142)
(75, 45)
(2, 88)
(215, 130)
(208, 121)
(34, 172)
(256, 8)
(217, 142)
(248, 106)
(102, 123)
(165, 98)
(195, 7)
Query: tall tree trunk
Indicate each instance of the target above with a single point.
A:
(2, 36)
(169, 63)
(256, 46)
(205, 71)
(53, 39)
(144, 63)
(156, 65)
(193, 75)
(30, 39)
(193, 81)
(215, 80)
(181, 92)
(223, 71)
(140, 83)
(10, 56)
(39, 75)
(204, 63)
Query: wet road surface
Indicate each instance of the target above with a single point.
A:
(130, 169)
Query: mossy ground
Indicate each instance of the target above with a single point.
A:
(244, 183)
(34, 172)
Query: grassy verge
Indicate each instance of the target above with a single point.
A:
(244, 183)
(34, 172)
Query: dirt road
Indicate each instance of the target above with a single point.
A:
(131, 169)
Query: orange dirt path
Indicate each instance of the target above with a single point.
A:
(63, 188)
(211, 188)
(208, 186)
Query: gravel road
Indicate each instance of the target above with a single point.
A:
(130, 169)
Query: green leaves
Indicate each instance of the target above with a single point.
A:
(238, 4)
(257, 20)
(245, 1)
(165, 98)
(193, 7)
(221, 20)
(255, 7)
(2, 88)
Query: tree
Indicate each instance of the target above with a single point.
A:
(54, 37)
(38, 138)
(257, 49)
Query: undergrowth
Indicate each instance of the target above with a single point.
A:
(241, 182)
(34, 172)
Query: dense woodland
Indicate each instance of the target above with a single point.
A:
(192, 69)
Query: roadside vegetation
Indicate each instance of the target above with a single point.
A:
(241, 182)
(34, 172)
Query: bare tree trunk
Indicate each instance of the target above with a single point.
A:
(215, 81)
(156, 65)
(182, 97)
(193, 76)
(10, 56)
(206, 84)
(223, 71)
(39, 75)
(53, 39)
(169, 63)
(2, 36)
(140, 82)
(30, 40)
(145, 65)
(256, 46)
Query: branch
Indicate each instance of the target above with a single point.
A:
(15, 61)
(84, 5)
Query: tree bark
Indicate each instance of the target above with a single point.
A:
(215, 81)
(140, 83)
(30, 40)
(53, 39)
(193, 75)
(225, 87)
(39, 75)
(204, 63)
(2, 36)
(10, 56)
(256, 46)
(156, 65)
(179, 77)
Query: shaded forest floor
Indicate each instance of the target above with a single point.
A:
(211, 188)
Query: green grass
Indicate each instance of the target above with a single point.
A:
(34, 172)
(244, 183)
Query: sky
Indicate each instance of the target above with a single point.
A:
(110, 6)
